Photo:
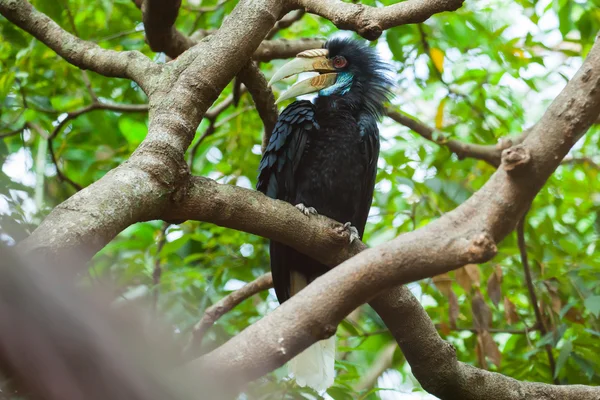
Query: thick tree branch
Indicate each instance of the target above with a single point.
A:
(489, 153)
(433, 361)
(370, 22)
(467, 234)
(226, 304)
(85, 55)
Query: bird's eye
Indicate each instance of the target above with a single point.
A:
(339, 62)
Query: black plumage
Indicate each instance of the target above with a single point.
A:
(324, 154)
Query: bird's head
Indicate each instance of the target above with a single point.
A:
(347, 68)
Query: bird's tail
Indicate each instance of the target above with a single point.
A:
(315, 366)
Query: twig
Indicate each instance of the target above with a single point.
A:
(61, 176)
(13, 132)
(85, 77)
(157, 272)
(285, 22)
(532, 295)
(488, 153)
(587, 161)
(263, 98)
(283, 48)
(226, 304)
(382, 363)
(162, 36)
(211, 115)
(97, 106)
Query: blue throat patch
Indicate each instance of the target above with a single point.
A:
(342, 85)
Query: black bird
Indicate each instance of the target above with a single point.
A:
(322, 157)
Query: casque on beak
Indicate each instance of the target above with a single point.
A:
(308, 61)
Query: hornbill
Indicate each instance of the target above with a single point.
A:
(322, 157)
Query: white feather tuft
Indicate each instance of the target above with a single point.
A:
(315, 366)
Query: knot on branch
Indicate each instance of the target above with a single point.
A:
(482, 247)
(515, 159)
(370, 31)
(328, 331)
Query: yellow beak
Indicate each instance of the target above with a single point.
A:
(308, 61)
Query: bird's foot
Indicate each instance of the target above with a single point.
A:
(306, 210)
(352, 231)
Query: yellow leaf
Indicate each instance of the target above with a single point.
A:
(439, 116)
(437, 56)
(519, 53)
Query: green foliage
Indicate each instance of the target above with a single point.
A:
(486, 71)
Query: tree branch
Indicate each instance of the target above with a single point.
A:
(467, 234)
(285, 22)
(263, 98)
(283, 48)
(532, 296)
(488, 153)
(83, 54)
(433, 361)
(97, 106)
(159, 19)
(382, 363)
(370, 22)
(226, 304)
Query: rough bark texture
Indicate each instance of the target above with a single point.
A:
(370, 22)
(156, 183)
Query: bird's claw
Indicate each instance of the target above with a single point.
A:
(306, 210)
(352, 231)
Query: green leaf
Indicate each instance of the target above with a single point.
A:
(134, 131)
(565, 353)
(592, 304)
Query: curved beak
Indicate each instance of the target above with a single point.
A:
(307, 61)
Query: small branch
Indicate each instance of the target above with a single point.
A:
(159, 19)
(83, 54)
(532, 296)
(226, 304)
(59, 174)
(263, 98)
(492, 330)
(585, 161)
(488, 153)
(205, 9)
(97, 106)
(13, 132)
(157, 271)
(211, 115)
(382, 363)
(283, 48)
(285, 22)
(370, 22)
